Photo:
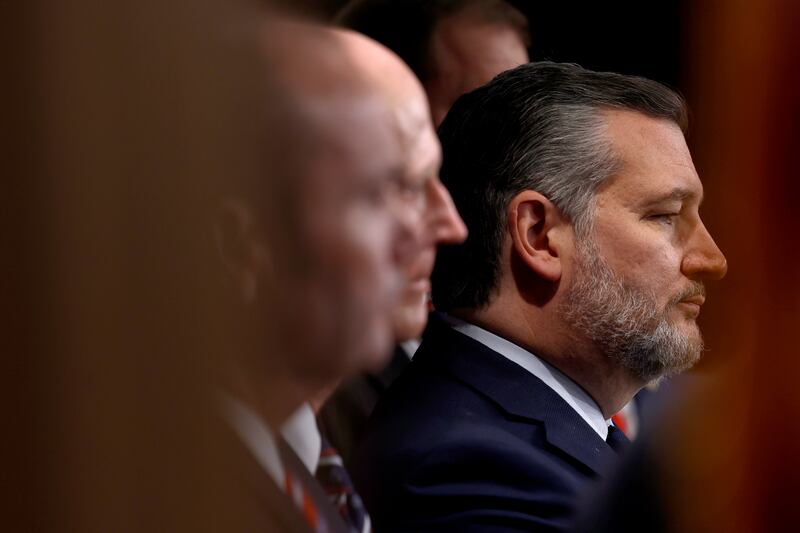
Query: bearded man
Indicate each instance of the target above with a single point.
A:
(579, 283)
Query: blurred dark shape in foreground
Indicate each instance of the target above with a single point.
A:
(121, 121)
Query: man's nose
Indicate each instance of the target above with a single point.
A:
(703, 259)
(443, 223)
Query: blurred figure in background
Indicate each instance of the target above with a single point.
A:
(122, 118)
(453, 46)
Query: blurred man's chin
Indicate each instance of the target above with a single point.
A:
(410, 321)
(375, 353)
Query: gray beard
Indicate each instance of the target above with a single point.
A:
(624, 322)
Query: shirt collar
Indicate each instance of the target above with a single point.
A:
(410, 347)
(571, 392)
(302, 434)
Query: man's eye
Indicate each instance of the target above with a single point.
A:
(663, 218)
(376, 193)
(409, 191)
(415, 195)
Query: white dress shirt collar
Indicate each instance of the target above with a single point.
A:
(302, 434)
(571, 392)
(410, 347)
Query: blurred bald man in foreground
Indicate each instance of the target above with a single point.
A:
(313, 250)
(453, 46)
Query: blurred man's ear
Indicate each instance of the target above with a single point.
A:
(538, 232)
(242, 248)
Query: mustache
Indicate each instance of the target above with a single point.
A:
(695, 288)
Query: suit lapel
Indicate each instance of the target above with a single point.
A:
(518, 392)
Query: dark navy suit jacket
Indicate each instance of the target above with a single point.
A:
(466, 440)
(344, 416)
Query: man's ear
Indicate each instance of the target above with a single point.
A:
(536, 227)
(241, 247)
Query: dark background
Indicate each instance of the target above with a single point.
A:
(627, 36)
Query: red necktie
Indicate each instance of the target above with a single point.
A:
(621, 421)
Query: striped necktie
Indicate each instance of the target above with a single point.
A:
(309, 500)
(302, 500)
(334, 478)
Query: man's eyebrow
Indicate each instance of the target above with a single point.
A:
(428, 172)
(678, 194)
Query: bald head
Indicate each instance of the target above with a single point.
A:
(331, 64)
(422, 200)
(381, 68)
(312, 58)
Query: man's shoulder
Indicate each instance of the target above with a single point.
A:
(430, 417)
(453, 376)
(431, 391)
(466, 436)
(455, 469)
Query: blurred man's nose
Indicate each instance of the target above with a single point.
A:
(703, 259)
(443, 223)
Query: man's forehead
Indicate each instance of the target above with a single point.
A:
(410, 116)
(653, 160)
(360, 130)
(424, 155)
(631, 132)
(414, 127)
(654, 181)
(319, 61)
